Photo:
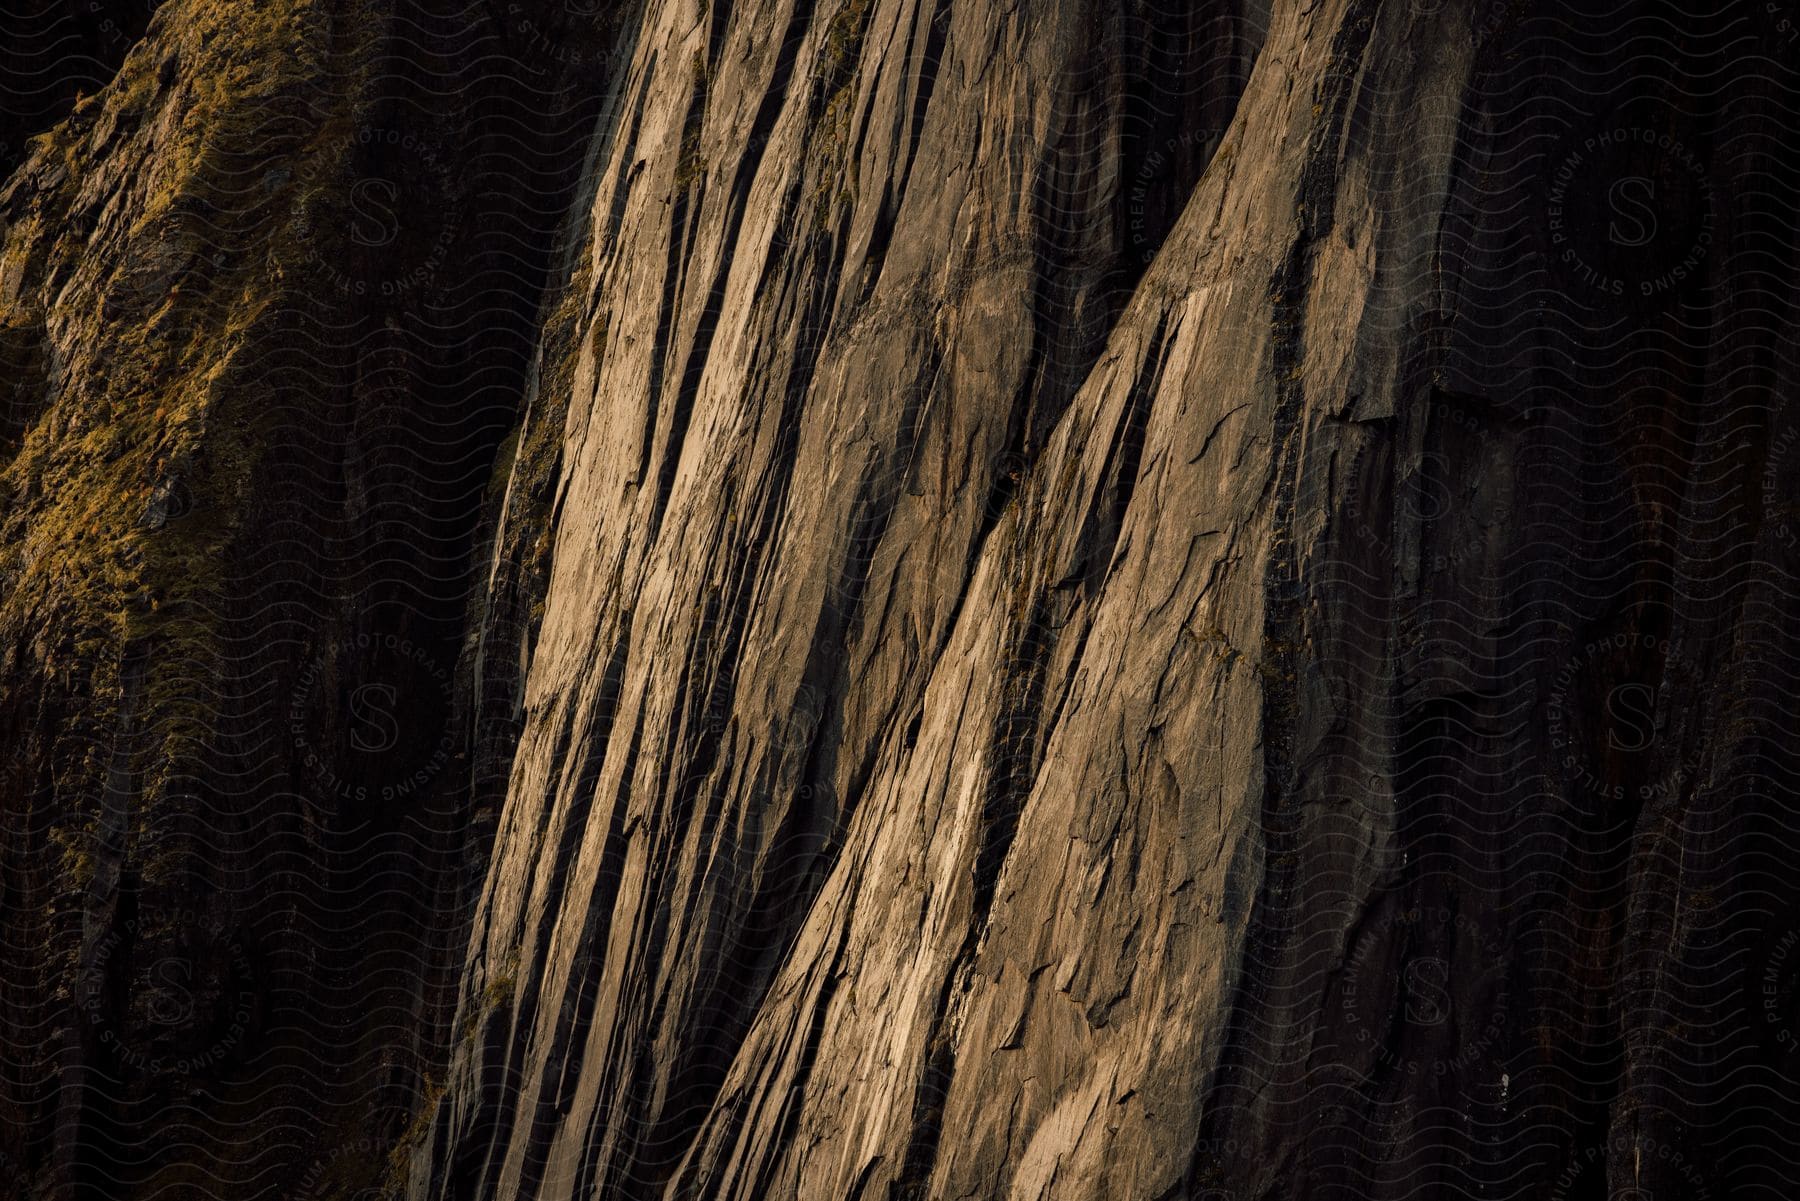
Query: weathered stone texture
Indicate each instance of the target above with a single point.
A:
(1055, 599)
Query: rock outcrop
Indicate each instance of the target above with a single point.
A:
(269, 301)
(1044, 600)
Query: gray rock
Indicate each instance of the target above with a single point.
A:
(1054, 600)
(988, 741)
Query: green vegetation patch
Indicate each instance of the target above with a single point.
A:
(140, 275)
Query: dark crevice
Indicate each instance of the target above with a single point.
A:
(1014, 749)
(931, 60)
(737, 205)
(1269, 922)
(1105, 524)
(913, 1181)
(682, 411)
(794, 1101)
(1014, 752)
(629, 166)
(565, 1056)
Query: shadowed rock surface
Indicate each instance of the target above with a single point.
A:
(269, 303)
(1073, 600)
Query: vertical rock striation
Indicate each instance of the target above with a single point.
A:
(849, 267)
(1315, 731)
(1034, 600)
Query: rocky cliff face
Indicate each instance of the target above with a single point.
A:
(904, 598)
(270, 300)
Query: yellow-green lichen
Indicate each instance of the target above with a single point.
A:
(836, 80)
(140, 278)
